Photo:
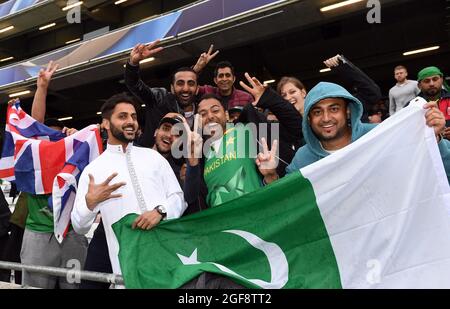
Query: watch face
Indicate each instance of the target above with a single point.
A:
(162, 210)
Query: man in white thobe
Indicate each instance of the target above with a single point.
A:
(125, 179)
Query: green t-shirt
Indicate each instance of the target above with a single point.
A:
(20, 214)
(40, 217)
(230, 171)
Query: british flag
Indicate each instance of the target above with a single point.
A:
(41, 160)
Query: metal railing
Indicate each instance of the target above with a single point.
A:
(112, 279)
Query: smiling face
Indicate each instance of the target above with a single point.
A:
(328, 119)
(225, 80)
(164, 137)
(122, 125)
(212, 115)
(185, 87)
(294, 95)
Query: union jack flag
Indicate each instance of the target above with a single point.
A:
(41, 160)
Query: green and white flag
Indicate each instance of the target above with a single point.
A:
(372, 215)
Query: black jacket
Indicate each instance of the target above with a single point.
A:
(290, 121)
(359, 85)
(158, 103)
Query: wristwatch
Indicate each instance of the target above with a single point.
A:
(161, 210)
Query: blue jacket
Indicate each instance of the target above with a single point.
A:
(313, 151)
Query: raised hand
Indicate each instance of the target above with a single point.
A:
(194, 142)
(266, 161)
(256, 89)
(45, 75)
(144, 51)
(98, 193)
(204, 59)
(13, 101)
(332, 62)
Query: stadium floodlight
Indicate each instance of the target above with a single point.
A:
(6, 29)
(338, 5)
(72, 41)
(18, 94)
(6, 59)
(73, 5)
(270, 81)
(65, 118)
(47, 26)
(422, 50)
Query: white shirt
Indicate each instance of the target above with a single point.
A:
(329, 151)
(157, 181)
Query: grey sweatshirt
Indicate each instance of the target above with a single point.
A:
(401, 94)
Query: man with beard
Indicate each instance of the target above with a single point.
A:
(334, 121)
(229, 168)
(144, 183)
(97, 258)
(431, 81)
(159, 101)
(404, 91)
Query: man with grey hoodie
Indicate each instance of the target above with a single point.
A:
(334, 121)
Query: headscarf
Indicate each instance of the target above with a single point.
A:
(431, 71)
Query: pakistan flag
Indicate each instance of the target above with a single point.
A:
(254, 239)
(374, 214)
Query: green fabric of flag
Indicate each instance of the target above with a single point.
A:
(271, 238)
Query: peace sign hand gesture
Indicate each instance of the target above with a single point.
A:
(204, 59)
(144, 51)
(45, 75)
(256, 90)
(267, 162)
(194, 142)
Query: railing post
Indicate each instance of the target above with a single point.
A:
(112, 279)
(23, 276)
